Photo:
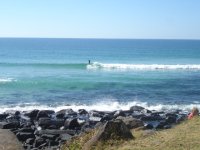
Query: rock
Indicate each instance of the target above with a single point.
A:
(114, 130)
(44, 113)
(82, 112)
(3, 116)
(161, 125)
(71, 123)
(136, 108)
(32, 114)
(95, 119)
(148, 126)
(9, 125)
(39, 141)
(170, 119)
(151, 118)
(47, 122)
(30, 141)
(65, 137)
(50, 136)
(131, 122)
(119, 113)
(55, 132)
(23, 136)
(65, 113)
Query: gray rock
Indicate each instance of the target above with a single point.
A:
(131, 122)
(110, 130)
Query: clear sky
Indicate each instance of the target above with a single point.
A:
(166, 19)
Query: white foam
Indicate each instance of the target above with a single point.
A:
(97, 65)
(5, 80)
(101, 106)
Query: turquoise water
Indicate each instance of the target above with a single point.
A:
(54, 73)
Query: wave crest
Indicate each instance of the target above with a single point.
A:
(97, 65)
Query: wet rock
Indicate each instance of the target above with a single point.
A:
(171, 119)
(148, 126)
(119, 113)
(110, 130)
(136, 108)
(9, 125)
(55, 132)
(50, 136)
(47, 122)
(82, 111)
(131, 122)
(71, 123)
(30, 141)
(32, 114)
(3, 116)
(65, 113)
(151, 118)
(38, 142)
(44, 113)
(162, 125)
(23, 136)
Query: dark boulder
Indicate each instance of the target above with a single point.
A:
(82, 112)
(136, 108)
(71, 123)
(65, 113)
(23, 136)
(47, 122)
(148, 126)
(131, 122)
(3, 116)
(151, 118)
(54, 132)
(44, 113)
(50, 136)
(30, 141)
(111, 130)
(9, 125)
(32, 114)
(39, 141)
(171, 119)
(119, 113)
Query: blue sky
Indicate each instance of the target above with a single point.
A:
(149, 19)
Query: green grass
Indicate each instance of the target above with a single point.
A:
(185, 136)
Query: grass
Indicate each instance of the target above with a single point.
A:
(185, 136)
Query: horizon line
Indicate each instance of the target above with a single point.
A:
(98, 38)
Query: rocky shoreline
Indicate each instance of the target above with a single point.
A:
(46, 129)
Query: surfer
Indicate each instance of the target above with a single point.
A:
(89, 62)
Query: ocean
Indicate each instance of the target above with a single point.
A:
(39, 73)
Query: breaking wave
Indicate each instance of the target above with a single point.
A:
(101, 106)
(97, 65)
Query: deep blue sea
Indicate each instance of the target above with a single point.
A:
(55, 74)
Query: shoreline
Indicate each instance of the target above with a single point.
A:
(48, 129)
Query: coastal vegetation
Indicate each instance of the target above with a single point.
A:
(184, 136)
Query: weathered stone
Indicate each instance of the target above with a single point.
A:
(136, 108)
(32, 114)
(44, 113)
(71, 123)
(131, 122)
(23, 136)
(9, 125)
(39, 141)
(50, 136)
(55, 132)
(30, 141)
(114, 130)
(119, 113)
(65, 113)
(47, 122)
(151, 118)
(3, 116)
(171, 119)
(82, 111)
